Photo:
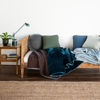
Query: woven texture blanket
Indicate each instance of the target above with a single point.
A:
(39, 60)
(87, 55)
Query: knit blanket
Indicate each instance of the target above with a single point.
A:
(39, 60)
(87, 55)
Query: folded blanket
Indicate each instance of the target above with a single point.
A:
(87, 55)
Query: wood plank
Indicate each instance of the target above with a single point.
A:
(0, 61)
(10, 47)
(8, 73)
(8, 60)
(88, 65)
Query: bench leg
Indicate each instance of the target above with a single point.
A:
(22, 71)
(0, 62)
(0, 65)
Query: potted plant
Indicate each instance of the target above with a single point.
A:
(5, 38)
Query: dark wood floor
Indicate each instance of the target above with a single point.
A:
(7, 73)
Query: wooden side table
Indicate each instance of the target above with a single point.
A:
(11, 58)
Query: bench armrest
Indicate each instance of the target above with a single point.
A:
(24, 49)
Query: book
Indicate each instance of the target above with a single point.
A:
(11, 58)
(12, 55)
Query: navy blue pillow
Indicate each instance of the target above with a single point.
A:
(78, 41)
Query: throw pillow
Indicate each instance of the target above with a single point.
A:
(92, 42)
(50, 42)
(78, 41)
(35, 42)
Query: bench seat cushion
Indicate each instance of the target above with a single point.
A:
(27, 56)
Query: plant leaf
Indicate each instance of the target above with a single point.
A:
(6, 33)
(3, 34)
(10, 35)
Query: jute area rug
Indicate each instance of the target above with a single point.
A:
(49, 90)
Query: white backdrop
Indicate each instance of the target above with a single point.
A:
(47, 17)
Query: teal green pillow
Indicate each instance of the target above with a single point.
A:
(51, 41)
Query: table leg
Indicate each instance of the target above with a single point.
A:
(17, 61)
(0, 61)
(20, 57)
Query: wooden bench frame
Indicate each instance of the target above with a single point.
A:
(25, 49)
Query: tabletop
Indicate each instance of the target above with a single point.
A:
(10, 47)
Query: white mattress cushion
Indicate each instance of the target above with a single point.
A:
(27, 56)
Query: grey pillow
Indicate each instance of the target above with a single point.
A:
(92, 42)
(35, 42)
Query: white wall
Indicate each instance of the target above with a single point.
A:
(48, 17)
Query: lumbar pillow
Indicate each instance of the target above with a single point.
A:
(50, 42)
(92, 42)
(35, 42)
(78, 41)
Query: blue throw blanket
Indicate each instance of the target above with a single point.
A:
(87, 55)
(61, 61)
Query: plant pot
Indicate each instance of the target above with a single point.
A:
(5, 42)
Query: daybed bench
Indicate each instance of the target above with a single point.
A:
(25, 49)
